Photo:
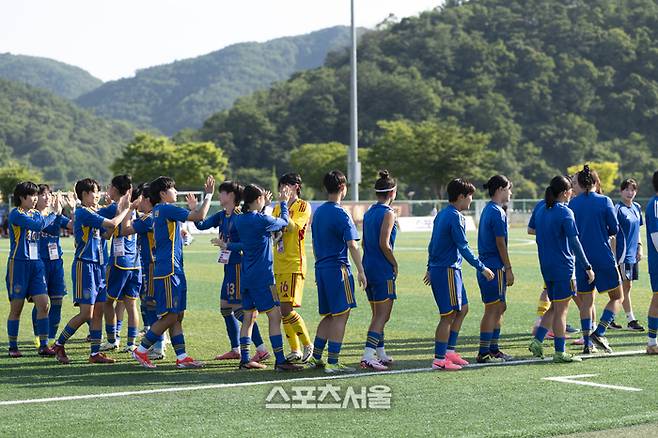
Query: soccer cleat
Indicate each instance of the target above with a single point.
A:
(579, 341)
(15, 353)
(488, 358)
(37, 342)
(100, 358)
(308, 353)
(142, 358)
(188, 362)
(252, 365)
(456, 359)
(128, 348)
(315, 363)
(536, 348)
(335, 368)
(445, 364)
(108, 346)
(294, 356)
(635, 326)
(571, 329)
(260, 356)
(614, 325)
(590, 349)
(601, 342)
(372, 364)
(287, 367)
(385, 359)
(229, 355)
(46, 351)
(60, 354)
(562, 357)
(652, 349)
(156, 354)
(500, 355)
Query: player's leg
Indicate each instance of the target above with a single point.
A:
(652, 346)
(561, 308)
(611, 309)
(381, 312)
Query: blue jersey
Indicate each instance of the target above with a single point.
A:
(123, 249)
(227, 231)
(531, 222)
(596, 221)
(448, 243)
(50, 237)
(143, 226)
(256, 241)
(332, 228)
(651, 217)
(628, 237)
(25, 228)
(87, 228)
(168, 241)
(493, 223)
(376, 266)
(554, 227)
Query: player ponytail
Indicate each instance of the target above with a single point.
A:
(496, 182)
(558, 185)
(385, 185)
(334, 181)
(588, 179)
(251, 193)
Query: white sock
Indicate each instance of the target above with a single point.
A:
(652, 342)
(181, 356)
(630, 316)
(236, 349)
(381, 352)
(141, 350)
(450, 351)
(369, 353)
(262, 348)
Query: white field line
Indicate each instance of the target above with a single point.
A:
(572, 379)
(283, 381)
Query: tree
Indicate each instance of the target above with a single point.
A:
(11, 174)
(148, 157)
(433, 152)
(608, 172)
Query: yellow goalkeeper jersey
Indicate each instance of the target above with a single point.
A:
(289, 252)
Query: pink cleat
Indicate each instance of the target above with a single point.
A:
(456, 359)
(188, 362)
(445, 364)
(373, 364)
(229, 355)
(260, 356)
(143, 359)
(579, 341)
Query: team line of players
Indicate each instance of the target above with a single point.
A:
(266, 275)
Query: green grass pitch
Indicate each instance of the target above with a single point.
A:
(491, 401)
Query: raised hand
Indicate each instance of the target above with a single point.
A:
(285, 193)
(192, 201)
(135, 204)
(209, 187)
(268, 197)
(56, 203)
(124, 201)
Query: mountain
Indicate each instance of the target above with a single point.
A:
(553, 83)
(52, 134)
(184, 93)
(62, 79)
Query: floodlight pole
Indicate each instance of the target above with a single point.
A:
(354, 167)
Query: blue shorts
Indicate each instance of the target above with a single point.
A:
(560, 290)
(231, 284)
(170, 293)
(335, 290)
(629, 271)
(25, 279)
(262, 299)
(605, 279)
(495, 290)
(378, 291)
(54, 274)
(448, 289)
(123, 283)
(88, 283)
(146, 292)
(654, 282)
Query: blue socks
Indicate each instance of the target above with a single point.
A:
(232, 326)
(604, 323)
(66, 334)
(12, 333)
(244, 349)
(440, 349)
(559, 344)
(95, 336)
(493, 347)
(42, 331)
(54, 317)
(585, 327)
(334, 352)
(540, 334)
(452, 340)
(485, 341)
(178, 342)
(277, 348)
(372, 340)
(318, 347)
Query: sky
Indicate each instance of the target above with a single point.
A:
(113, 38)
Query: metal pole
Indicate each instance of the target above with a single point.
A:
(354, 167)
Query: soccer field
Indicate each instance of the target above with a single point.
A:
(128, 400)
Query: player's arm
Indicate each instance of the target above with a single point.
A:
(459, 238)
(385, 238)
(209, 222)
(500, 229)
(571, 231)
(199, 212)
(611, 222)
(355, 254)
(34, 223)
(123, 208)
(277, 223)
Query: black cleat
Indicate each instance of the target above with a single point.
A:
(635, 326)
(614, 325)
(589, 349)
(601, 342)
